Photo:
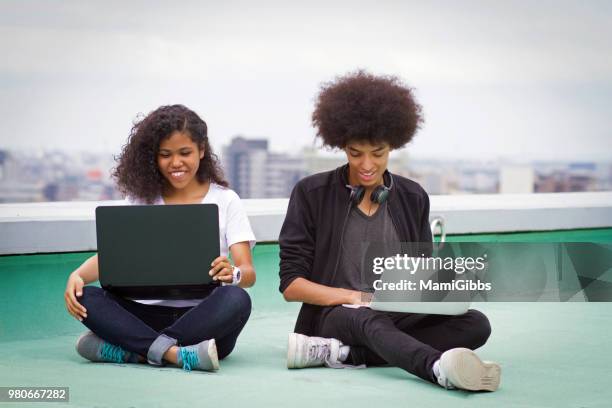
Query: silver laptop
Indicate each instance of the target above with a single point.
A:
(416, 301)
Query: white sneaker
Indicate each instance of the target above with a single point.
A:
(462, 368)
(304, 351)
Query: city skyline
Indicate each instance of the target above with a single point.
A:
(254, 171)
(330, 153)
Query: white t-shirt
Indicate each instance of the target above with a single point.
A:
(234, 227)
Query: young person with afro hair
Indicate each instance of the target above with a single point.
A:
(330, 216)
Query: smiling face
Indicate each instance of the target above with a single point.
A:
(367, 163)
(179, 159)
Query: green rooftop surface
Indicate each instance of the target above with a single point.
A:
(552, 354)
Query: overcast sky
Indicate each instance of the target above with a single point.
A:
(510, 79)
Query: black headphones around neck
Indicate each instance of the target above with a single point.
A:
(379, 194)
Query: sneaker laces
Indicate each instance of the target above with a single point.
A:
(319, 352)
(190, 358)
(322, 352)
(112, 353)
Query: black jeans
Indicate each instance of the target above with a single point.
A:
(409, 341)
(135, 326)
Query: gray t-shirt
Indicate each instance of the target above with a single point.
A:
(363, 238)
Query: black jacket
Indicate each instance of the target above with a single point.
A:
(310, 237)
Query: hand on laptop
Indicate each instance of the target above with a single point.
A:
(359, 299)
(221, 270)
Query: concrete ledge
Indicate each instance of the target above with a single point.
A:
(70, 226)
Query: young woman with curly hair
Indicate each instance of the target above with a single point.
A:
(329, 217)
(168, 160)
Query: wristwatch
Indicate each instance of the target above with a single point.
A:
(236, 276)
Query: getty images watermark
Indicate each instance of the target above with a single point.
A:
(427, 269)
(488, 271)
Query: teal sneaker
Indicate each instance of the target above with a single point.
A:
(202, 356)
(93, 348)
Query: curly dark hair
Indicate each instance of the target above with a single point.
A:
(137, 173)
(363, 107)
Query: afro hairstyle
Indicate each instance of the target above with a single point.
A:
(362, 107)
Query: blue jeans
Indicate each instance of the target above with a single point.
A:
(150, 330)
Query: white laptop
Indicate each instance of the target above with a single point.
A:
(405, 301)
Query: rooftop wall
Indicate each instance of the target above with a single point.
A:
(70, 226)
